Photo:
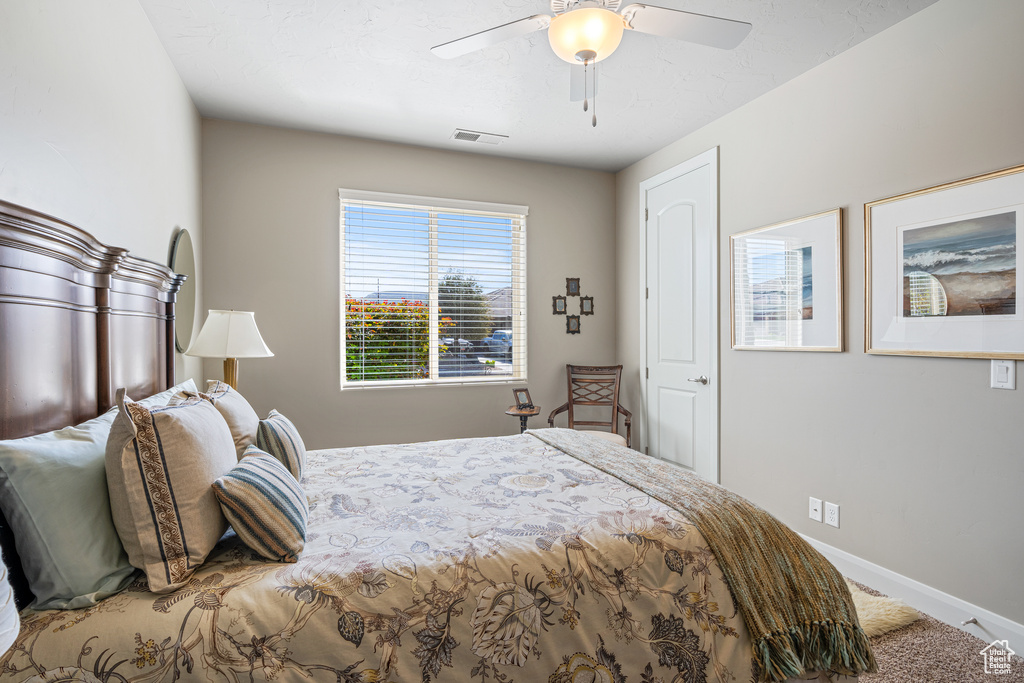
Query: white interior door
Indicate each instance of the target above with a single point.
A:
(680, 208)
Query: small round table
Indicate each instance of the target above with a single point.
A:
(523, 414)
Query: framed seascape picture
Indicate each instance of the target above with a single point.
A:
(787, 285)
(941, 269)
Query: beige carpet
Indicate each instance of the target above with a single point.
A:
(929, 651)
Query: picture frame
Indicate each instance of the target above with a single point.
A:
(572, 324)
(940, 269)
(786, 290)
(586, 305)
(522, 397)
(558, 305)
(572, 286)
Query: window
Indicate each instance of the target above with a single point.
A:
(927, 297)
(772, 291)
(433, 290)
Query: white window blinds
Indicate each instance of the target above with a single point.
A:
(770, 291)
(433, 290)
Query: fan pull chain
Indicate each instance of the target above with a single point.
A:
(586, 104)
(588, 57)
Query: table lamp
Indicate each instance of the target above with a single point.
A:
(229, 335)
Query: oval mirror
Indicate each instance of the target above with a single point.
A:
(183, 262)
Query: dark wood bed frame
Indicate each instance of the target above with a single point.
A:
(78, 320)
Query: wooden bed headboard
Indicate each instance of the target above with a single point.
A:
(78, 320)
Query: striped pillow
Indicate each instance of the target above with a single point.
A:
(264, 505)
(277, 435)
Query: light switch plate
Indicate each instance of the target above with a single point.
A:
(1004, 374)
(814, 509)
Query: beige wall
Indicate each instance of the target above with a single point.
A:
(95, 125)
(270, 205)
(926, 462)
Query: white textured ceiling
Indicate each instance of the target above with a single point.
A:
(364, 68)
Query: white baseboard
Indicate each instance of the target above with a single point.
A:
(935, 603)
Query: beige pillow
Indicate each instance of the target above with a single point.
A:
(241, 418)
(161, 463)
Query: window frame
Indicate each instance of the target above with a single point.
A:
(519, 298)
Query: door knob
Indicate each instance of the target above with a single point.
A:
(703, 379)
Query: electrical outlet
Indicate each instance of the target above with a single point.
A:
(814, 510)
(832, 514)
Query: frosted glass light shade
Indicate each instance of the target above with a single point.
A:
(588, 28)
(10, 623)
(229, 334)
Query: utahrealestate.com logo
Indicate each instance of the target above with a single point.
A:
(997, 657)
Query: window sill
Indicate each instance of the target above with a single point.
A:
(421, 383)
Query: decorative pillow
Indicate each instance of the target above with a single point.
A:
(164, 397)
(53, 490)
(241, 418)
(264, 505)
(161, 464)
(277, 435)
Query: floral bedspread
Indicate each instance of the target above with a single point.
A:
(494, 560)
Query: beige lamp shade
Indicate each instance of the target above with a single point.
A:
(229, 334)
(589, 29)
(10, 623)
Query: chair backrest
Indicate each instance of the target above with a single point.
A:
(594, 386)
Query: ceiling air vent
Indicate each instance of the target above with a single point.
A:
(476, 136)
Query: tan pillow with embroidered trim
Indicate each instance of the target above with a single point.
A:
(161, 464)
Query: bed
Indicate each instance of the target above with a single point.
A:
(543, 556)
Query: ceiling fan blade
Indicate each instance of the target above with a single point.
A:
(695, 28)
(492, 36)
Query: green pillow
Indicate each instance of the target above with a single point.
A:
(53, 490)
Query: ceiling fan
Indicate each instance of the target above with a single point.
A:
(588, 31)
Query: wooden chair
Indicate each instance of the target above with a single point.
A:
(595, 386)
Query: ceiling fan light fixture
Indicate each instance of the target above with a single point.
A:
(591, 29)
